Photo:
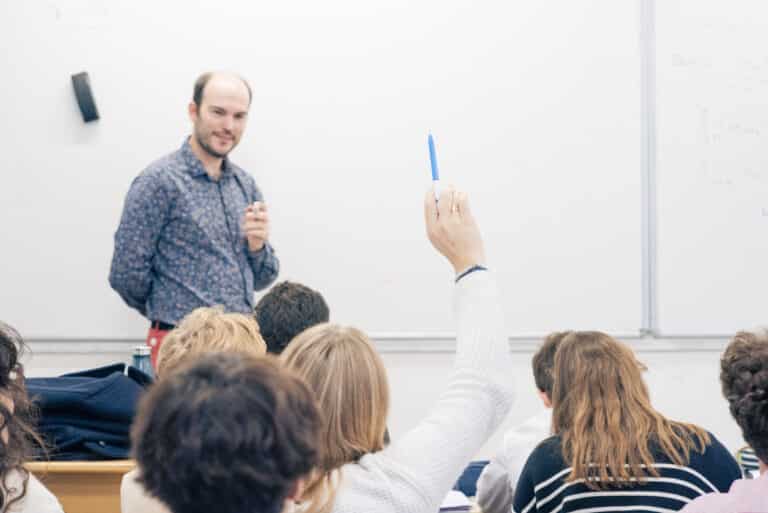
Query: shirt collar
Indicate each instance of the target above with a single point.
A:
(196, 168)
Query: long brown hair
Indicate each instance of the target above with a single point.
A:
(348, 377)
(603, 415)
(18, 415)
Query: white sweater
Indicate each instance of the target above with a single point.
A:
(496, 485)
(134, 499)
(37, 499)
(415, 472)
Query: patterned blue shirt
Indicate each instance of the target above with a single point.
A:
(180, 246)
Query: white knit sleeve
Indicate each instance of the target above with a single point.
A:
(431, 456)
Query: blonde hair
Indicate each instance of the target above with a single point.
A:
(209, 330)
(603, 415)
(348, 377)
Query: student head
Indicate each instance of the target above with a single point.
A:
(603, 414)
(286, 310)
(219, 111)
(543, 364)
(348, 378)
(227, 433)
(17, 415)
(744, 378)
(207, 330)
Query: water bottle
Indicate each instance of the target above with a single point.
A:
(142, 360)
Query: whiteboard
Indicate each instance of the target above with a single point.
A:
(534, 113)
(712, 71)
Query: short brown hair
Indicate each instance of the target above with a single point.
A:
(286, 310)
(209, 329)
(226, 433)
(199, 89)
(744, 379)
(543, 361)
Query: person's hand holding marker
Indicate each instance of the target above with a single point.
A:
(452, 229)
(256, 225)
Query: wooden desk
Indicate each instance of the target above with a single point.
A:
(84, 486)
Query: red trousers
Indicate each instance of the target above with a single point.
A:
(154, 340)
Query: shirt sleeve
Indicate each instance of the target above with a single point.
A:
(711, 503)
(38, 498)
(144, 214)
(494, 492)
(496, 485)
(264, 263)
(134, 499)
(433, 454)
(525, 493)
(265, 266)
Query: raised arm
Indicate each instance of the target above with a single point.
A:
(433, 454)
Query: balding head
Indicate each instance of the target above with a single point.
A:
(222, 81)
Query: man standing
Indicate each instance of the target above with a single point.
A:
(194, 229)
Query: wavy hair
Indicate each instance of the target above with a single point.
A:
(19, 442)
(603, 415)
(209, 330)
(349, 380)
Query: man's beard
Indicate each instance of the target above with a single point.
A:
(210, 151)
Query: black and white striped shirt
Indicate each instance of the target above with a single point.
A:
(748, 461)
(542, 487)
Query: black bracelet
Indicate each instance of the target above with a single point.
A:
(470, 271)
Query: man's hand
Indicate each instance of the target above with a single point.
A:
(452, 229)
(256, 225)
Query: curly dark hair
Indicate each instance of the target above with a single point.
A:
(18, 415)
(228, 433)
(286, 310)
(744, 378)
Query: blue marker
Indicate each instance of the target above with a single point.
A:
(433, 163)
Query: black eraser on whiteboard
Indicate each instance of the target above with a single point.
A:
(82, 85)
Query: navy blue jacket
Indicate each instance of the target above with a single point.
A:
(87, 415)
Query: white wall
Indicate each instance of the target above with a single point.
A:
(532, 112)
(522, 95)
(682, 377)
